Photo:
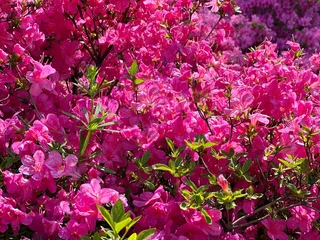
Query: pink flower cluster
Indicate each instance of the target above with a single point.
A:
(199, 138)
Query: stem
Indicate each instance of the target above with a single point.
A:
(215, 25)
(204, 164)
(257, 210)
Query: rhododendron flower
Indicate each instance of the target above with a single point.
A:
(213, 4)
(195, 217)
(302, 218)
(16, 217)
(258, 117)
(146, 198)
(101, 195)
(74, 230)
(275, 228)
(33, 165)
(60, 167)
(38, 78)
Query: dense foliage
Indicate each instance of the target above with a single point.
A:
(159, 119)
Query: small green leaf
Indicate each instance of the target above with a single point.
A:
(145, 158)
(92, 72)
(191, 184)
(138, 81)
(125, 216)
(85, 238)
(149, 185)
(210, 144)
(75, 117)
(184, 206)
(121, 225)
(133, 236)
(146, 234)
(170, 144)
(247, 177)
(107, 216)
(178, 162)
(133, 222)
(250, 190)
(133, 69)
(256, 196)
(206, 216)
(246, 166)
(117, 211)
(104, 169)
(161, 167)
(172, 165)
(96, 236)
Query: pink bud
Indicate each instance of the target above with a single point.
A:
(223, 183)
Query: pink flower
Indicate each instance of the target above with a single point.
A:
(258, 117)
(38, 78)
(213, 4)
(16, 217)
(60, 167)
(195, 217)
(73, 230)
(40, 133)
(302, 217)
(294, 46)
(91, 194)
(275, 228)
(33, 166)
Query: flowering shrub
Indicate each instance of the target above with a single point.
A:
(152, 119)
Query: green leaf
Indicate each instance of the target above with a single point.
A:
(247, 177)
(286, 163)
(133, 222)
(96, 236)
(206, 216)
(186, 194)
(97, 110)
(172, 165)
(161, 167)
(145, 158)
(125, 216)
(133, 69)
(246, 166)
(170, 144)
(191, 184)
(85, 238)
(133, 236)
(75, 117)
(149, 185)
(146, 234)
(250, 191)
(256, 196)
(210, 144)
(184, 205)
(121, 225)
(104, 169)
(117, 211)
(92, 72)
(138, 81)
(178, 162)
(107, 216)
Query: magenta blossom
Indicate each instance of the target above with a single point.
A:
(275, 228)
(60, 167)
(302, 217)
(33, 166)
(91, 194)
(38, 78)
